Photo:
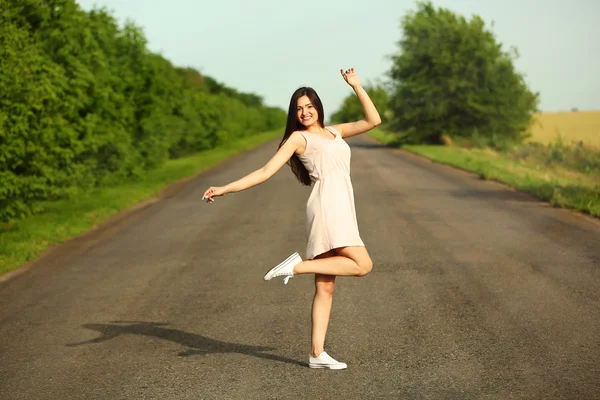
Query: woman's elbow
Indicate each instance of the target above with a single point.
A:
(376, 122)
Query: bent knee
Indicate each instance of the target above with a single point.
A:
(365, 267)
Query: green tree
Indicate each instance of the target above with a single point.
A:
(84, 103)
(351, 109)
(452, 77)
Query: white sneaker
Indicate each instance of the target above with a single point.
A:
(325, 361)
(286, 268)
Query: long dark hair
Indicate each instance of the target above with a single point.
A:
(294, 125)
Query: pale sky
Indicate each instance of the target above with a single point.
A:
(272, 47)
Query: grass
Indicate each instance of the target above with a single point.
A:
(557, 155)
(576, 126)
(382, 136)
(562, 187)
(25, 240)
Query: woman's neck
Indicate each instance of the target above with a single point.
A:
(316, 128)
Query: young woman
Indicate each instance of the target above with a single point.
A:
(319, 156)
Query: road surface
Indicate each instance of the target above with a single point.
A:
(477, 292)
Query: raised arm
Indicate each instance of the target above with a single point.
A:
(294, 144)
(372, 118)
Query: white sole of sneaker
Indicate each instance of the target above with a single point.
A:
(282, 265)
(322, 366)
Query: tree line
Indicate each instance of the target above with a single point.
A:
(84, 103)
(450, 77)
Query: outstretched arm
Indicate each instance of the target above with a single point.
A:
(372, 118)
(285, 152)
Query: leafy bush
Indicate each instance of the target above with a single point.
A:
(84, 103)
(452, 78)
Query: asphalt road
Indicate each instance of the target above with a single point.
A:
(477, 292)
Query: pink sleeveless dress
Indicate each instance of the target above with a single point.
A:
(330, 212)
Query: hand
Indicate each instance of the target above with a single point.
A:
(350, 77)
(212, 192)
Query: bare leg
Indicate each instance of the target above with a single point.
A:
(321, 308)
(349, 261)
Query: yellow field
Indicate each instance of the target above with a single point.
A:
(572, 126)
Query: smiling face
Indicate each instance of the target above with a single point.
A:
(306, 112)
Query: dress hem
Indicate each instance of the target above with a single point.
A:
(331, 247)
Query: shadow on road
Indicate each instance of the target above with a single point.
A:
(196, 344)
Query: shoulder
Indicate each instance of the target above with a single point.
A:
(298, 137)
(299, 141)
